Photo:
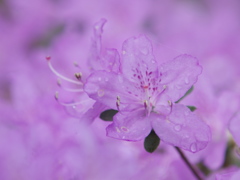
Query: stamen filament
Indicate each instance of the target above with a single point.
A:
(68, 89)
(68, 104)
(59, 75)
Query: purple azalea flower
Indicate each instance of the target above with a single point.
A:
(99, 59)
(145, 94)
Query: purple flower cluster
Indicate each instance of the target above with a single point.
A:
(143, 90)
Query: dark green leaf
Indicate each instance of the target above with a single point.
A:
(108, 114)
(151, 142)
(186, 94)
(192, 108)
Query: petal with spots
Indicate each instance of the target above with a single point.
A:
(179, 75)
(182, 128)
(130, 126)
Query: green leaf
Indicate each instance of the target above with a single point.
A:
(186, 94)
(151, 142)
(108, 114)
(192, 108)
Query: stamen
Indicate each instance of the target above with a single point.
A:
(67, 104)
(56, 96)
(78, 76)
(48, 58)
(70, 104)
(170, 103)
(68, 89)
(75, 64)
(145, 104)
(72, 90)
(59, 82)
(118, 102)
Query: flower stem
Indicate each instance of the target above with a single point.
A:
(188, 164)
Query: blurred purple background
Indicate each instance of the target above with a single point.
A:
(41, 139)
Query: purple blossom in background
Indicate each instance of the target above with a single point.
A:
(146, 100)
(145, 95)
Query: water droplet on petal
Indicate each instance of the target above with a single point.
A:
(124, 129)
(178, 87)
(144, 64)
(186, 113)
(117, 129)
(186, 81)
(144, 51)
(100, 92)
(120, 79)
(193, 147)
(178, 127)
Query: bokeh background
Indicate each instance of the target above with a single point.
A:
(41, 139)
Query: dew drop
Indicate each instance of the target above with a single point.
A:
(124, 129)
(187, 113)
(144, 64)
(120, 79)
(178, 127)
(117, 129)
(144, 51)
(193, 147)
(100, 92)
(186, 80)
(178, 87)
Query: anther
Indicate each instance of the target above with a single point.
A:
(145, 87)
(118, 102)
(78, 75)
(145, 104)
(170, 103)
(48, 58)
(59, 82)
(56, 96)
(75, 64)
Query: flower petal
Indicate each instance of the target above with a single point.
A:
(107, 59)
(137, 58)
(112, 90)
(130, 126)
(93, 112)
(179, 75)
(182, 128)
(111, 60)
